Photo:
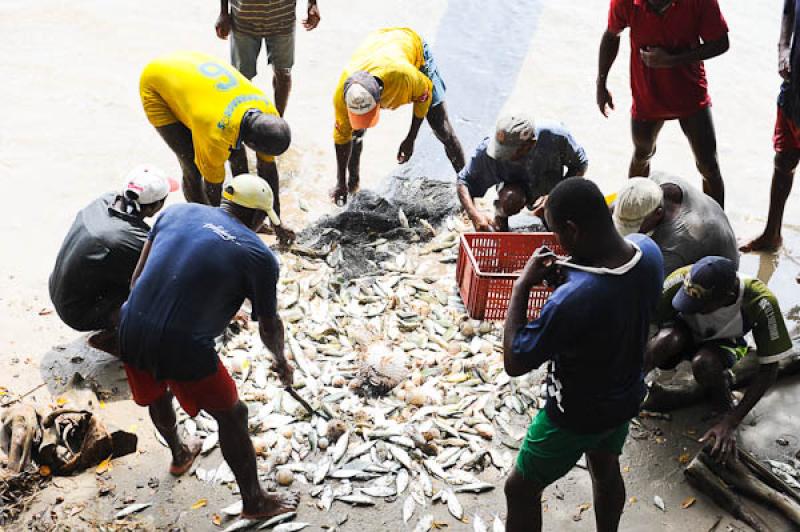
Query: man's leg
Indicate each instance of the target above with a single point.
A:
(608, 489)
(179, 138)
(523, 504)
(163, 416)
(709, 367)
(238, 162)
(280, 54)
(511, 198)
(699, 129)
(237, 449)
(354, 164)
(282, 85)
(666, 349)
(782, 179)
(644, 133)
(244, 53)
(440, 124)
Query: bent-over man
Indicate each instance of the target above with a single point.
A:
(591, 333)
(198, 266)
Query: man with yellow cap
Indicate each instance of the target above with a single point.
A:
(392, 67)
(198, 266)
(207, 112)
(685, 223)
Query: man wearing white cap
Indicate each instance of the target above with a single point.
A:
(524, 160)
(685, 223)
(198, 266)
(392, 67)
(92, 275)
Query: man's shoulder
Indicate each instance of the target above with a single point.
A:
(552, 129)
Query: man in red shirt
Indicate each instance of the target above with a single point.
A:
(670, 39)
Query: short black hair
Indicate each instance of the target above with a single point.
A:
(580, 201)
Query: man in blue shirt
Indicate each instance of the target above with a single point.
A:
(198, 266)
(524, 161)
(592, 333)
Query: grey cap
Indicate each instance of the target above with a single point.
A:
(512, 131)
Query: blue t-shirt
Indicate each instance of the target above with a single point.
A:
(555, 156)
(789, 98)
(593, 332)
(203, 263)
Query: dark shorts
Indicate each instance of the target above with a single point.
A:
(549, 452)
(212, 393)
(787, 133)
(102, 314)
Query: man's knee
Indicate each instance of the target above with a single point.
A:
(665, 347)
(517, 488)
(236, 414)
(708, 165)
(706, 364)
(282, 75)
(603, 466)
(511, 199)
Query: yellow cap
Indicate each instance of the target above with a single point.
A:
(251, 192)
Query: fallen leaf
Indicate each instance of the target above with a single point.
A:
(103, 466)
(660, 440)
(684, 458)
(45, 311)
(626, 469)
(687, 502)
(61, 401)
(102, 404)
(582, 508)
(216, 519)
(632, 500)
(199, 504)
(45, 471)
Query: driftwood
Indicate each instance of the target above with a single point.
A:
(20, 435)
(664, 397)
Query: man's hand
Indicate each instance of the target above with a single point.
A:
(312, 19)
(655, 57)
(724, 436)
(406, 150)
(785, 63)
(604, 100)
(542, 265)
(284, 370)
(285, 235)
(537, 209)
(483, 223)
(223, 25)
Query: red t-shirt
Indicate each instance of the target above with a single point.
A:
(667, 93)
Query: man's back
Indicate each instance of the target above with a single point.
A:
(202, 264)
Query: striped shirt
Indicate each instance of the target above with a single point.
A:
(263, 18)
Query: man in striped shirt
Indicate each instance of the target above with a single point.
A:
(270, 21)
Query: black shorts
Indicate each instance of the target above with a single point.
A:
(97, 315)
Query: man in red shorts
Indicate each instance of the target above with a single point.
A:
(670, 39)
(196, 268)
(787, 131)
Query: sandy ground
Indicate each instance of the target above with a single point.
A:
(70, 93)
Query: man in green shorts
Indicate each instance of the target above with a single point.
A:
(592, 334)
(706, 310)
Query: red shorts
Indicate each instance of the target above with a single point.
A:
(215, 392)
(787, 133)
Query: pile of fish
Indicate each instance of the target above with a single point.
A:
(418, 405)
(788, 472)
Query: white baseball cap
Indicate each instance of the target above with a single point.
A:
(252, 192)
(635, 202)
(362, 93)
(511, 132)
(149, 184)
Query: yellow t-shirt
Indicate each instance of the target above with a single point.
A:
(395, 56)
(208, 96)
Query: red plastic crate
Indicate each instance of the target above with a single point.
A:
(489, 263)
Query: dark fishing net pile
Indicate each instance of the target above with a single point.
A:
(373, 227)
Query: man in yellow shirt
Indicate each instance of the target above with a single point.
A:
(204, 109)
(392, 67)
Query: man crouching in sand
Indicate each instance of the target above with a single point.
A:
(196, 269)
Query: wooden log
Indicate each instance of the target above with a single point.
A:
(704, 480)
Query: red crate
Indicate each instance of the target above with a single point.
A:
(489, 263)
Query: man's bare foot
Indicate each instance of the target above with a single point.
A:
(339, 195)
(183, 462)
(271, 504)
(762, 243)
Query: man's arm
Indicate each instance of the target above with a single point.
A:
(660, 58)
(574, 157)
(407, 146)
(142, 260)
(312, 16)
(785, 41)
(271, 331)
(539, 266)
(473, 181)
(609, 48)
(224, 22)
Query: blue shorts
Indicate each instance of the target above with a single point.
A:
(432, 71)
(245, 49)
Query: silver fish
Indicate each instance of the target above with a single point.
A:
(326, 499)
(427, 485)
(408, 508)
(209, 443)
(425, 523)
(321, 471)
(240, 524)
(233, 510)
(288, 516)
(474, 487)
(132, 509)
(478, 525)
(290, 527)
(340, 448)
(454, 505)
(435, 469)
(401, 456)
(378, 491)
(402, 481)
(357, 500)
(497, 525)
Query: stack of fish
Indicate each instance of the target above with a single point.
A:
(437, 414)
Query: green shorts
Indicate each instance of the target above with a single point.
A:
(549, 452)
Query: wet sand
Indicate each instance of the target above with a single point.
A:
(75, 126)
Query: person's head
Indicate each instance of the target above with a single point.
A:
(265, 133)
(712, 283)
(362, 95)
(577, 213)
(145, 190)
(639, 206)
(514, 137)
(511, 198)
(249, 198)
